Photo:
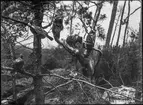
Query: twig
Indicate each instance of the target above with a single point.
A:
(121, 78)
(24, 46)
(53, 86)
(58, 86)
(20, 71)
(90, 85)
(27, 24)
(44, 27)
(106, 89)
(24, 3)
(85, 27)
(79, 3)
(26, 38)
(133, 12)
(109, 66)
(94, 3)
(53, 74)
(16, 20)
(83, 91)
(107, 82)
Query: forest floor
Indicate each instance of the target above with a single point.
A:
(71, 93)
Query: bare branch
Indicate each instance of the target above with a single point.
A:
(121, 78)
(133, 12)
(26, 38)
(24, 46)
(79, 80)
(85, 27)
(79, 3)
(15, 20)
(53, 86)
(107, 82)
(94, 3)
(105, 89)
(24, 3)
(20, 71)
(50, 22)
(59, 86)
(83, 92)
(31, 27)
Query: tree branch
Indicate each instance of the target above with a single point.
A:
(107, 82)
(59, 86)
(53, 86)
(94, 3)
(20, 71)
(133, 12)
(85, 27)
(24, 46)
(16, 20)
(83, 91)
(50, 22)
(28, 24)
(79, 80)
(121, 78)
(24, 3)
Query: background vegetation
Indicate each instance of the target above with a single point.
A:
(119, 65)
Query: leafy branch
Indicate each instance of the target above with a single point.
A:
(33, 28)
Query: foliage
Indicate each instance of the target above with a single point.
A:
(123, 63)
(118, 65)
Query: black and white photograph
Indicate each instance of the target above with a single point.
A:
(71, 52)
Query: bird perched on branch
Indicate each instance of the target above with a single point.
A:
(18, 63)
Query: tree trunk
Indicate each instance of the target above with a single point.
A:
(113, 15)
(5, 51)
(96, 17)
(11, 45)
(115, 29)
(140, 30)
(38, 17)
(126, 23)
(120, 23)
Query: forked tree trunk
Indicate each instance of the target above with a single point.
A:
(126, 23)
(121, 23)
(113, 15)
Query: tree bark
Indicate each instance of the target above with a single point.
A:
(37, 21)
(121, 23)
(12, 51)
(126, 23)
(140, 29)
(115, 29)
(96, 17)
(113, 15)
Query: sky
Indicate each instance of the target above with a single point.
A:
(107, 9)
